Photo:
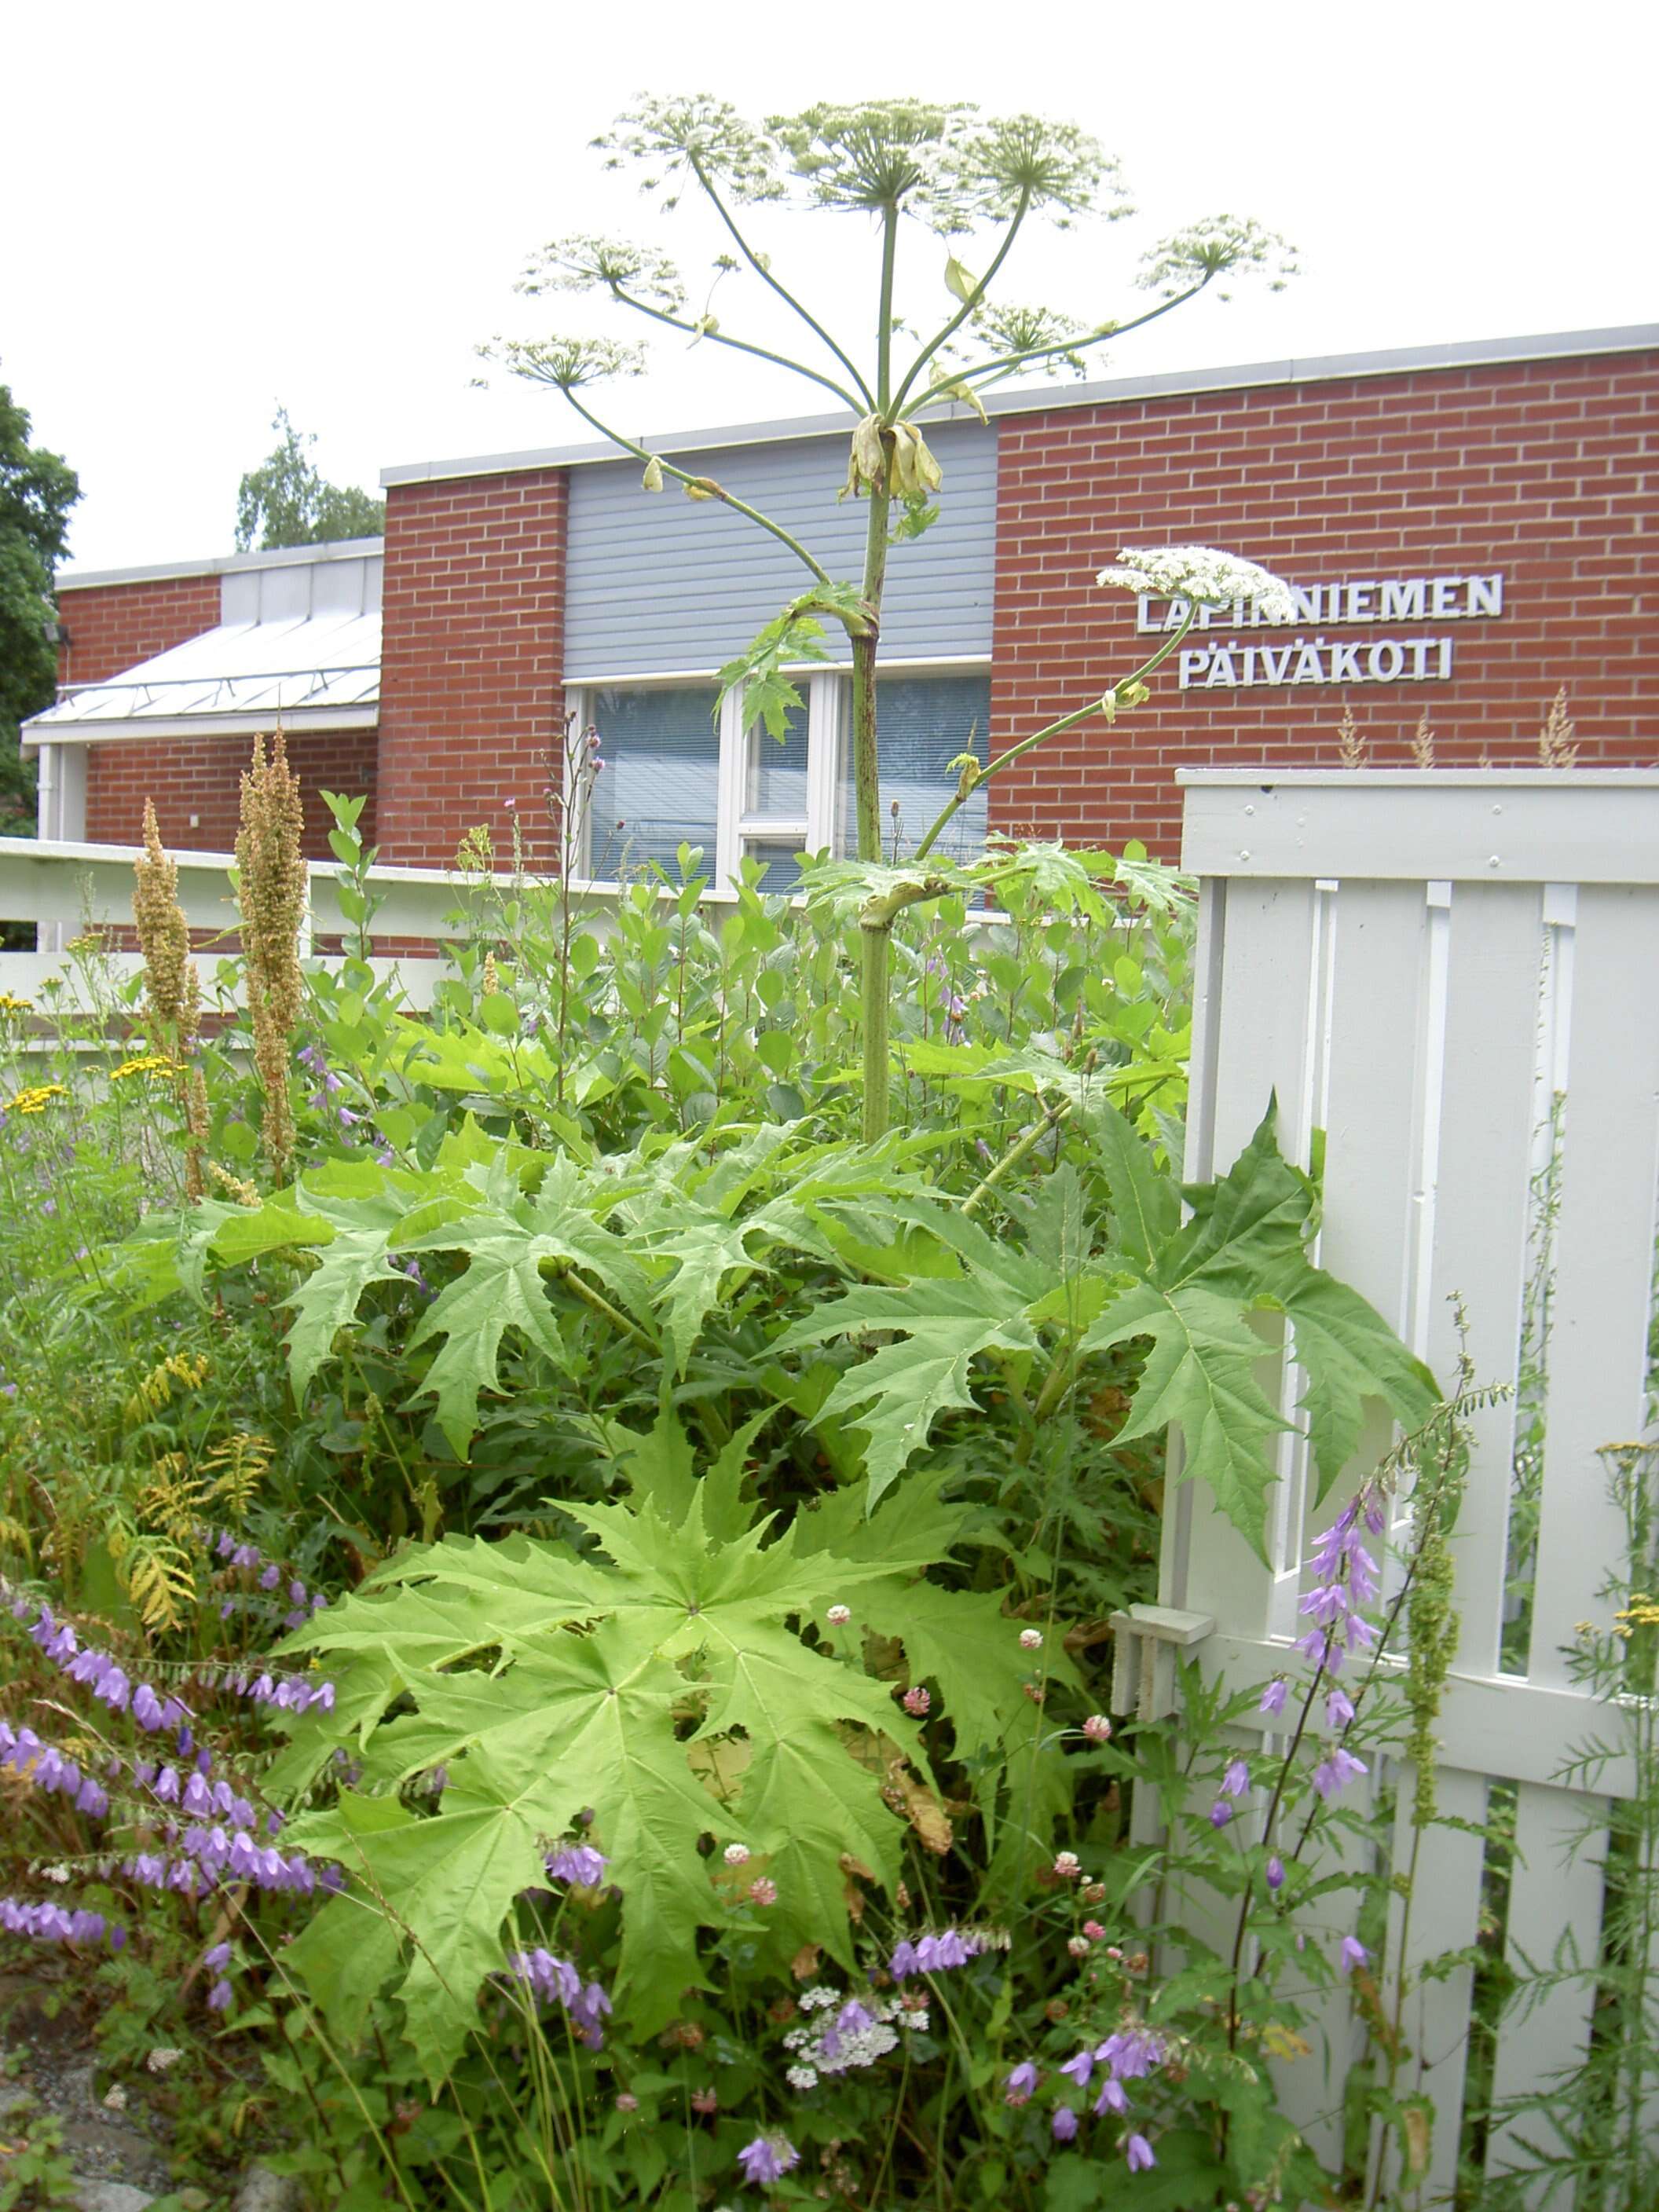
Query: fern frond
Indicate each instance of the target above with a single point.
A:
(157, 1576)
(237, 1465)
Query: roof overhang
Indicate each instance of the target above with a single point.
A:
(312, 672)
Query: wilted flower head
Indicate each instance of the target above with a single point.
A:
(1202, 574)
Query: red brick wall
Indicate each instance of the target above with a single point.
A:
(111, 626)
(1542, 470)
(201, 777)
(472, 660)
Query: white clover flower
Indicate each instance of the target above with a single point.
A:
(1030, 1639)
(736, 1854)
(1202, 574)
(839, 1615)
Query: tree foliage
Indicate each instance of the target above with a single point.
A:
(286, 501)
(37, 491)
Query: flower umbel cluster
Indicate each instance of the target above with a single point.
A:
(1202, 574)
(853, 2033)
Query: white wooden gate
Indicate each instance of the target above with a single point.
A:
(1422, 964)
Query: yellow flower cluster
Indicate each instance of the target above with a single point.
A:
(35, 1101)
(10, 1005)
(148, 1063)
(1642, 1611)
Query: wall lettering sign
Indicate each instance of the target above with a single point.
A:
(1247, 664)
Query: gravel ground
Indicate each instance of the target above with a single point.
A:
(53, 2063)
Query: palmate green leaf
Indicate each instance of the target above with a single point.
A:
(896, 1395)
(357, 1254)
(1201, 1376)
(1244, 1250)
(508, 1240)
(946, 1321)
(546, 1685)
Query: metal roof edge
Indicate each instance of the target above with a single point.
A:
(1027, 400)
(222, 564)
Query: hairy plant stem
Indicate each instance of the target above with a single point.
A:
(874, 937)
(1012, 1158)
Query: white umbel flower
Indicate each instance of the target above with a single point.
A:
(1202, 574)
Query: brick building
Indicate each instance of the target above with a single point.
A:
(1468, 526)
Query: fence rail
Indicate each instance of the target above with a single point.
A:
(65, 887)
(1454, 978)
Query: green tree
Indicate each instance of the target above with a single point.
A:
(904, 166)
(285, 501)
(37, 491)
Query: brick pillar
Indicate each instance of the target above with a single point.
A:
(472, 662)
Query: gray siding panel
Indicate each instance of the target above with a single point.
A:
(657, 582)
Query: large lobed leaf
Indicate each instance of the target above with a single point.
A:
(549, 1685)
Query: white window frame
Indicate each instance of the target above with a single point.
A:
(827, 689)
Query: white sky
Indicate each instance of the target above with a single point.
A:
(213, 209)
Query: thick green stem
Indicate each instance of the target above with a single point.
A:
(875, 930)
(875, 941)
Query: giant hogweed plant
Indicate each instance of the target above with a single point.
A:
(903, 165)
(653, 1656)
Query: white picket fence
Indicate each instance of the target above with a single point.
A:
(1414, 964)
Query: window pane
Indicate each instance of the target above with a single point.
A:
(922, 723)
(783, 869)
(777, 772)
(661, 784)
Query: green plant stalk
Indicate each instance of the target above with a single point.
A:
(1007, 364)
(1120, 696)
(874, 940)
(763, 271)
(738, 345)
(1012, 1158)
(705, 486)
